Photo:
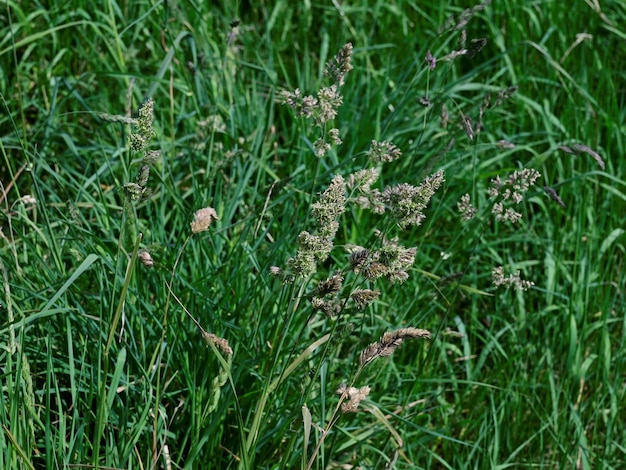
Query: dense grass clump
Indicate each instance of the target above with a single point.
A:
(328, 235)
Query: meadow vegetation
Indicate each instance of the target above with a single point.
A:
(313, 235)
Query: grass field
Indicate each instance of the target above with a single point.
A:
(197, 273)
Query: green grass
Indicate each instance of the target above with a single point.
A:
(102, 363)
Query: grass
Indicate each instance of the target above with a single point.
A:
(109, 364)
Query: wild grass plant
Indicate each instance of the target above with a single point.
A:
(357, 235)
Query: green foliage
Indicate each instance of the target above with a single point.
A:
(132, 339)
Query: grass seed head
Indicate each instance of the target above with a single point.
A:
(219, 343)
(330, 286)
(580, 148)
(389, 342)
(466, 209)
(512, 280)
(431, 60)
(145, 258)
(340, 65)
(202, 219)
(554, 196)
(353, 395)
(363, 297)
(381, 152)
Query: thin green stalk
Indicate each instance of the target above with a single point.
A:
(104, 389)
